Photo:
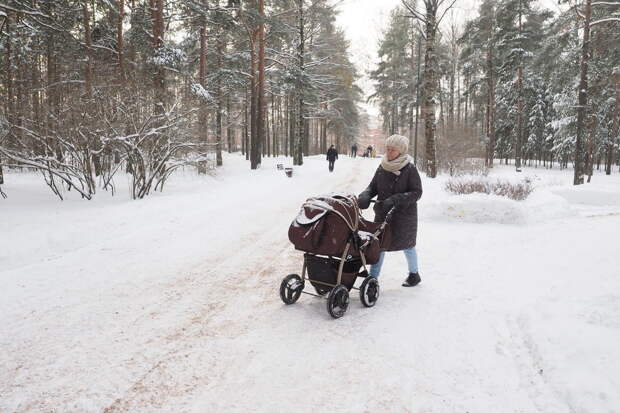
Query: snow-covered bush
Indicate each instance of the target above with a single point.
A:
(517, 191)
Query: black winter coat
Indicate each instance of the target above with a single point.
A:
(332, 154)
(404, 190)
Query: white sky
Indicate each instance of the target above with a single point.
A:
(364, 20)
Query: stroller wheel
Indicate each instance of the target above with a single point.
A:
(338, 301)
(290, 288)
(369, 291)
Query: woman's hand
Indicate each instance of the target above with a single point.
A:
(393, 201)
(363, 200)
(388, 204)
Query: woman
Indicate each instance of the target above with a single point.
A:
(397, 185)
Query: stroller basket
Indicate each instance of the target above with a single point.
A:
(324, 270)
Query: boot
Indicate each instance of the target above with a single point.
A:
(412, 280)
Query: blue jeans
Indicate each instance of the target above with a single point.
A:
(412, 262)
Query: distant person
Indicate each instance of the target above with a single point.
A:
(397, 185)
(354, 150)
(332, 155)
(369, 151)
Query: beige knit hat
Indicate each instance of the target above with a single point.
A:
(398, 142)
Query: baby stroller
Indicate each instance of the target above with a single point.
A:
(338, 244)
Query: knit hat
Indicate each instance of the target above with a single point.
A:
(398, 142)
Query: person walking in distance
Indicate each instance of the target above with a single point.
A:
(332, 155)
(397, 184)
(354, 150)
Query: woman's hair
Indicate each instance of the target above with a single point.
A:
(398, 142)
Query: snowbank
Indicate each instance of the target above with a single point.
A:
(550, 200)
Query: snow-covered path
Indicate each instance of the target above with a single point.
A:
(171, 303)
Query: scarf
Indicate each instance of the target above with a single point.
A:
(397, 164)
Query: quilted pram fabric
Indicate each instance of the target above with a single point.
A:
(325, 224)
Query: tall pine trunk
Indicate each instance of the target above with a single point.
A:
(299, 134)
(159, 78)
(491, 101)
(430, 89)
(88, 70)
(255, 149)
(220, 103)
(582, 96)
(8, 72)
(261, 104)
(203, 113)
(417, 102)
(615, 129)
(120, 41)
(519, 137)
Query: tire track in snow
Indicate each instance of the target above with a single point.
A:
(530, 366)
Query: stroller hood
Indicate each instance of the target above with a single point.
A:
(326, 223)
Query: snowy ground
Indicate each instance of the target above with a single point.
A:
(171, 303)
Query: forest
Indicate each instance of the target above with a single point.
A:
(516, 83)
(91, 88)
(94, 88)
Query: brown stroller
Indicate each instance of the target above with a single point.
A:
(338, 244)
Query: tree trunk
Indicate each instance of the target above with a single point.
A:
(452, 80)
(410, 111)
(246, 135)
(417, 102)
(35, 79)
(491, 101)
(220, 103)
(254, 110)
(466, 120)
(159, 78)
(589, 155)
(583, 96)
(229, 126)
(119, 41)
(430, 89)
(8, 73)
(261, 104)
(299, 136)
(88, 73)
(615, 128)
(203, 113)
(519, 137)
(132, 49)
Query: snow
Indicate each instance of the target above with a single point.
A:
(201, 92)
(171, 303)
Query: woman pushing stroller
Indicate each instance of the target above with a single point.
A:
(397, 183)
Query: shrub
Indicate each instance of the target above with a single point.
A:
(517, 191)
